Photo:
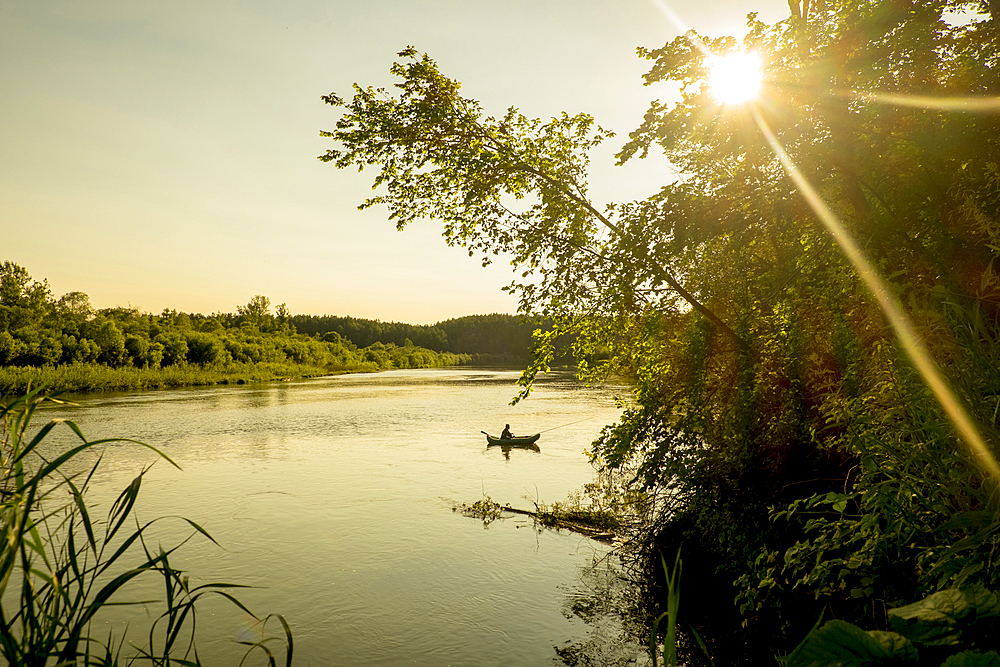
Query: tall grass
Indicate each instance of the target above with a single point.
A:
(60, 566)
(670, 615)
(664, 637)
(15, 380)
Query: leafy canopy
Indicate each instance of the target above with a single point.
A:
(766, 376)
(516, 186)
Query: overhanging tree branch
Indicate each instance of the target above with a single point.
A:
(440, 159)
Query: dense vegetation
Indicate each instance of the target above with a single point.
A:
(487, 338)
(65, 344)
(782, 432)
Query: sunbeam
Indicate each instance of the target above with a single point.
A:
(901, 324)
(969, 104)
(669, 12)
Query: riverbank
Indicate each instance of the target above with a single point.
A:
(80, 377)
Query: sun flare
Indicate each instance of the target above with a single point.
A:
(735, 78)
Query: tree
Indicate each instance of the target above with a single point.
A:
(283, 320)
(766, 374)
(440, 158)
(257, 312)
(205, 349)
(112, 343)
(72, 309)
(75, 303)
(175, 347)
(10, 348)
(23, 301)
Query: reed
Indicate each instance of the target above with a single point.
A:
(63, 566)
(78, 377)
(668, 632)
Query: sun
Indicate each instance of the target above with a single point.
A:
(735, 78)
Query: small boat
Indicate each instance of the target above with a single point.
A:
(512, 442)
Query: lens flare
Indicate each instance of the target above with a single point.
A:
(251, 630)
(901, 324)
(735, 78)
(961, 104)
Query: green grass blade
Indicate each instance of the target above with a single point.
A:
(201, 530)
(236, 602)
(84, 515)
(122, 507)
(42, 433)
(289, 643)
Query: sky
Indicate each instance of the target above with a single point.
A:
(163, 154)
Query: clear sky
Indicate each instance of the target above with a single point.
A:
(163, 154)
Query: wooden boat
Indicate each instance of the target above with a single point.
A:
(521, 440)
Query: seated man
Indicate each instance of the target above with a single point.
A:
(506, 435)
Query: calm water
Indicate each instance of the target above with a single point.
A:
(333, 498)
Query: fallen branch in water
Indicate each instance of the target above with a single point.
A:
(554, 520)
(594, 524)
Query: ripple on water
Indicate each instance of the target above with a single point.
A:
(332, 498)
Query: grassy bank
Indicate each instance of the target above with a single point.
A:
(98, 377)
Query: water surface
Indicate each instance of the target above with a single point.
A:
(334, 498)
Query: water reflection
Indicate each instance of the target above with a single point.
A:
(505, 448)
(606, 601)
(333, 499)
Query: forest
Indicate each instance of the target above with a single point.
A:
(495, 338)
(64, 343)
(811, 313)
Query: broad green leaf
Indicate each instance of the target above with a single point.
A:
(840, 644)
(894, 643)
(973, 659)
(940, 619)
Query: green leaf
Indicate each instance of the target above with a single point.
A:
(840, 644)
(973, 659)
(968, 521)
(942, 618)
(897, 645)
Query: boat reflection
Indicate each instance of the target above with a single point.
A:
(505, 448)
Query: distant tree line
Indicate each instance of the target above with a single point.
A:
(37, 329)
(496, 337)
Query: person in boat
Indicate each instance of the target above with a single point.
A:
(506, 435)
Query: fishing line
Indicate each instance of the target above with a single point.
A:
(560, 426)
(569, 424)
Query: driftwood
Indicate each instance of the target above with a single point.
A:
(548, 519)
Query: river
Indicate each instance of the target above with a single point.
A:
(334, 499)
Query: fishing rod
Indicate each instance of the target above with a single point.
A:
(569, 424)
(555, 427)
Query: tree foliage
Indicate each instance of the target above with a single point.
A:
(794, 449)
(38, 330)
(496, 337)
(515, 186)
